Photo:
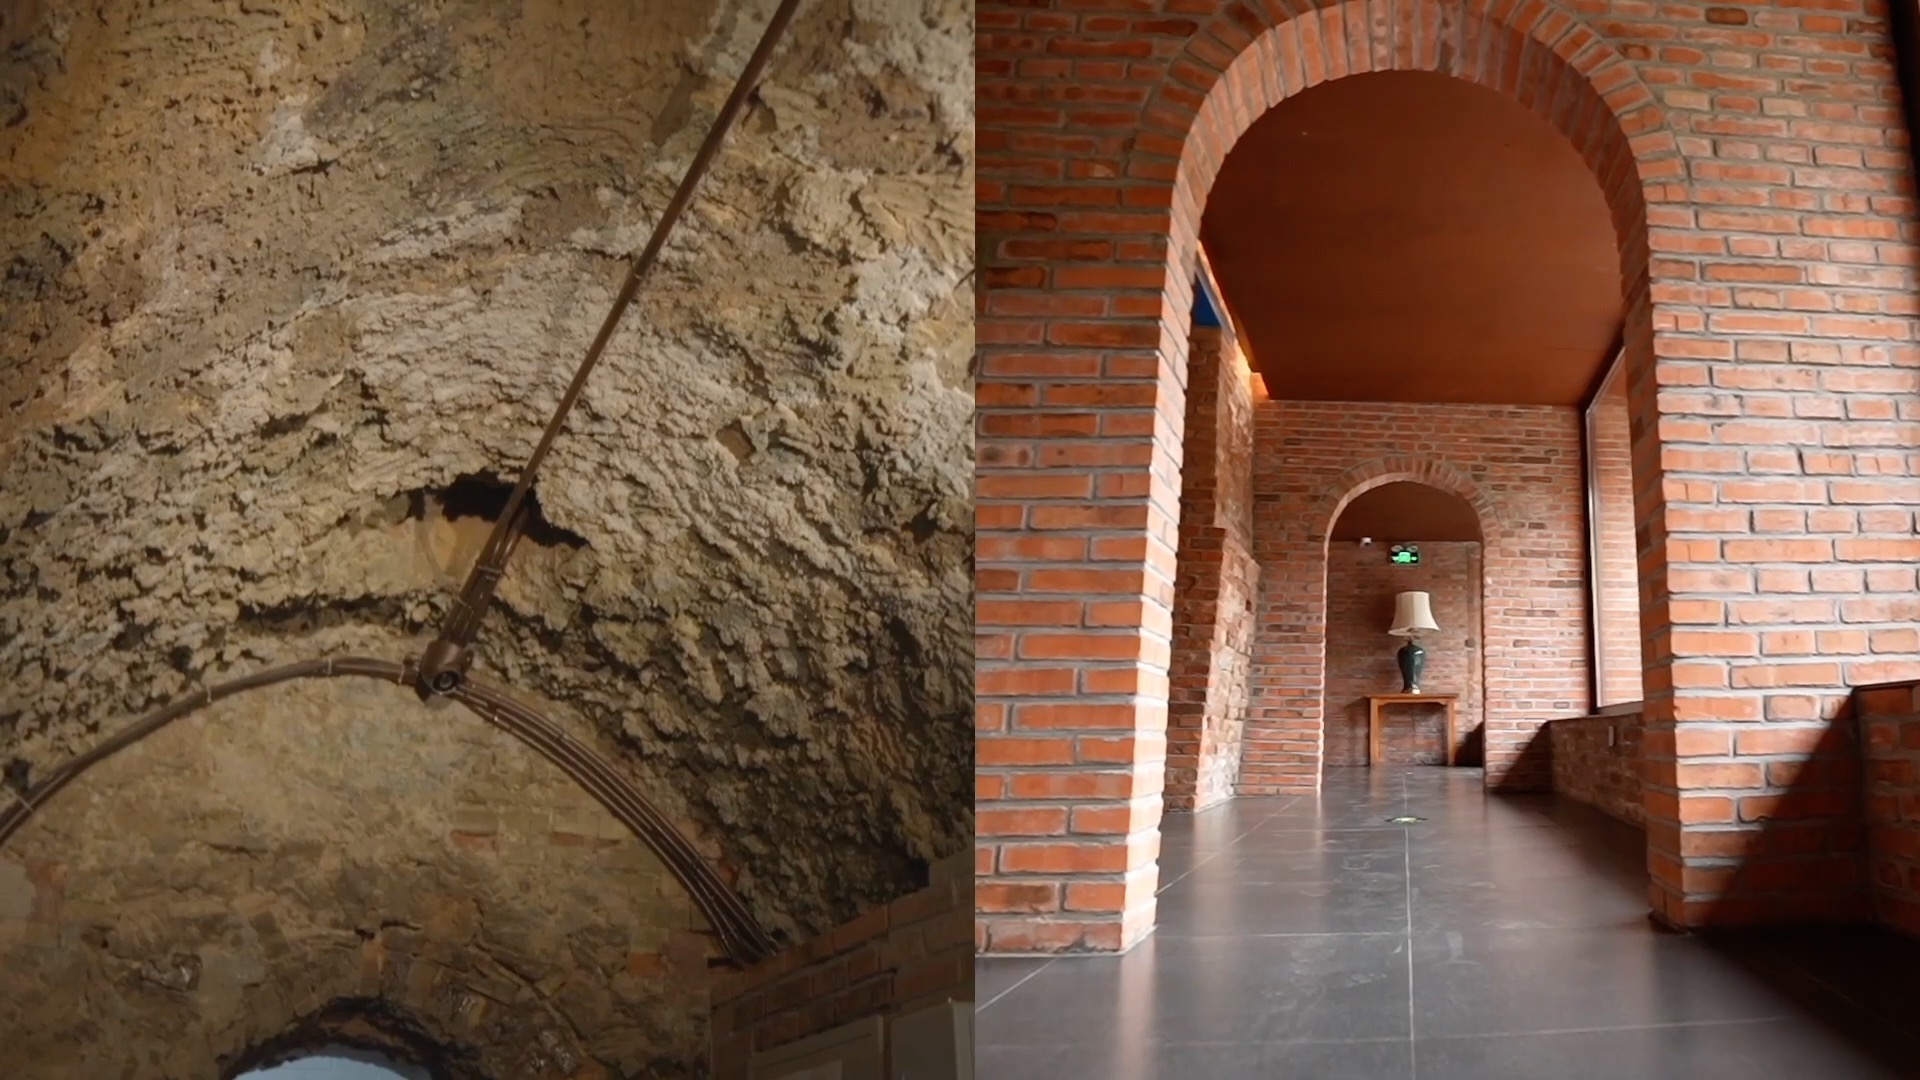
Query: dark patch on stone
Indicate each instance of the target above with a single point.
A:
(482, 496)
(19, 771)
(734, 438)
(678, 108)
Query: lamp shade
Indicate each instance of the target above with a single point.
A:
(1412, 613)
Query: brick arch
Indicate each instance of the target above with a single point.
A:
(1244, 62)
(1380, 472)
(1087, 223)
(1528, 674)
(1230, 72)
(1315, 538)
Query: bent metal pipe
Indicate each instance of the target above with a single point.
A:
(740, 934)
(441, 671)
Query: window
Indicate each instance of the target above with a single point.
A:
(1613, 568)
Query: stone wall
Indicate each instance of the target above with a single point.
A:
(1361, 586)
(293, 286)
(911, 954)
(318, 861)
(1597, 761)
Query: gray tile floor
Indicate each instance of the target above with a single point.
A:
(1498, 938)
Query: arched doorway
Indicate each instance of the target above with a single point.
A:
(1089, 384)
(1404, 536)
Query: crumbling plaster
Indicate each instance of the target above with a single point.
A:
(281, 270)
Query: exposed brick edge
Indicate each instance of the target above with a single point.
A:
(1890, 738)
(1217, 579)
(913, 953)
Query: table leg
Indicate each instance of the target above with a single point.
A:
(1373, 733)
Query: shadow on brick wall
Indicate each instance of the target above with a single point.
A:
(1473, 748)
(1795, 849)
(1531, 769)
(1790, 868)
(1788, 846)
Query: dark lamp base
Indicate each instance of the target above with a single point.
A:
(1413, 663)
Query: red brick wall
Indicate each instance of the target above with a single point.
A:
(1757, 170)
(1361, 585)
(1596, 760)
(1617, 563)
(1214, 592)
(911, 954)
(1519, 466)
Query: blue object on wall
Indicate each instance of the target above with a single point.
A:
(1206, 306)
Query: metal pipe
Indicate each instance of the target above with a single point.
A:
(442, 668)
(445, 662)
(744, 939)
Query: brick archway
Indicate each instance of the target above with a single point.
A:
(1284, 742)
(1088, 222)
(1379, 472)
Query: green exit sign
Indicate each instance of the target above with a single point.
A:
(1403, 555)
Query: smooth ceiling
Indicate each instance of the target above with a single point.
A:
(1407, 236)
(1407, 511)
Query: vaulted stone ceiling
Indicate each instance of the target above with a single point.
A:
(291, 286)
(1409, 236)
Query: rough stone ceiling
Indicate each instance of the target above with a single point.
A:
(231, 886)
(1408, 236)
(280, 276)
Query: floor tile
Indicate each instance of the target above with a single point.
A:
(995, 975)
(1228, 989)
(1289, 841)
(1553, 903)
(1745, 1051)
(1479, 982)
(1279, 867)
(1353, 903)
(1508, 936)
(1124, 1059)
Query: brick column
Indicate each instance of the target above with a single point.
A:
(1774, 442)
(1081, 406)
(1214, 592)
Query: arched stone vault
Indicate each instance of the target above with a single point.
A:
(336, 269)
(743, 940)
(334, 859)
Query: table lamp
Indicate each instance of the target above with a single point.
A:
(1412, 616)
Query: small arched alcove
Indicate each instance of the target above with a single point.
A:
(1404, 536)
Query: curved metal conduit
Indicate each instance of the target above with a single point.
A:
(442, 669)
(742, 936)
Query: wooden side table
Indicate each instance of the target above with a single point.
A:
(1375, 702)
